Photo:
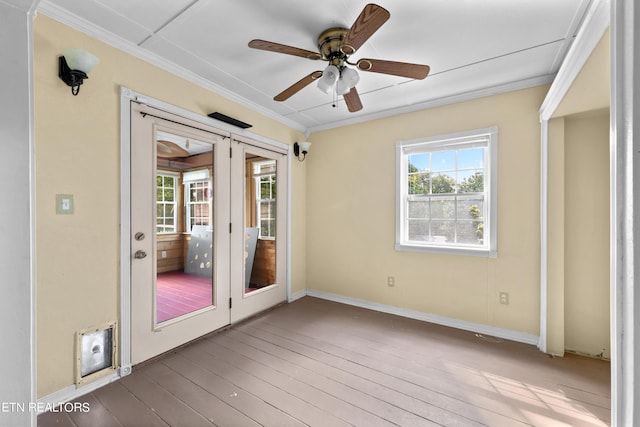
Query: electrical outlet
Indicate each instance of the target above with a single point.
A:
(163, 254)
(391, 281)
(504, 298)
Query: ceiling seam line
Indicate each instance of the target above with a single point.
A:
(496, 57)
(173, 18)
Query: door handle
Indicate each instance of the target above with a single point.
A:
(140, 254)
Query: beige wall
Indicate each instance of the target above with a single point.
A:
(77, 152)
(556, 237)
(351, 216)
(590, 89)
(587, 190)
(578, 213)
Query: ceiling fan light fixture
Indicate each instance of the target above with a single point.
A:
(348, 79)
(329, 77)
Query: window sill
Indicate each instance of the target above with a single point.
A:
(487, 253)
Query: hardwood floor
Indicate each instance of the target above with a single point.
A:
(320, 363)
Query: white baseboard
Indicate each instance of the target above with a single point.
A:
(72, 392)
(297, 296)
(431, 318)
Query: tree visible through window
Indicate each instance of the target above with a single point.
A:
(444, 195)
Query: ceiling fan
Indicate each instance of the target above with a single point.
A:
(336, 45)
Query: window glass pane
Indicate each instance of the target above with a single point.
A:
(442, 184)
(419, 209)
(470, 208)
(471, 158)
(469, 232)
(264, 189)
(471, 181)
(443, 161)
(419, 183)
(418, 230)
(419, 162)
(443, 208)
(443, 231)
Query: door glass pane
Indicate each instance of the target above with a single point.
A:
(260, 222)
(184, 226)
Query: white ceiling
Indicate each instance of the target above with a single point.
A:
(472, 46)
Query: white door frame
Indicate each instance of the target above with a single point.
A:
(126, 97)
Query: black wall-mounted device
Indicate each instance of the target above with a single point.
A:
(230, 120)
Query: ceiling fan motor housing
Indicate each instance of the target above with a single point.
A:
(330, 43)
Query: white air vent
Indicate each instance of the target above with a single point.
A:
(95, 352)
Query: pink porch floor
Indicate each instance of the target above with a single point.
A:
(179, 293)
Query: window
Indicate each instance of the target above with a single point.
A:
(198, 196)
(447, 193)
(264, 174)
(166, 202)
(197, 204)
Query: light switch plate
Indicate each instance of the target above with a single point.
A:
(64, 204)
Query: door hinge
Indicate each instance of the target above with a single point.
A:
(230, 152)
(230, 304)
(229, 228)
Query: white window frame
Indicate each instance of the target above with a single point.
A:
(188, 203)
(176, 178)
(451, 141)
(256, 177)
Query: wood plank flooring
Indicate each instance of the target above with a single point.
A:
(320, 363)
(180, 293)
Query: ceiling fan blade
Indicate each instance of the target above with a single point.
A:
(297, 86)
(402, 69)
(352, 99)
(368, 22)
(283, 48)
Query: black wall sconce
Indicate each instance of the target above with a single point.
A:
(74, 66)
(301, 148)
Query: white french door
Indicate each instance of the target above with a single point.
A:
(179, 271)
(259, 177)
(208, 229)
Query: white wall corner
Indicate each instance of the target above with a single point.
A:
(297, 296)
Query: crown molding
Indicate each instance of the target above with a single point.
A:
(591, 31)
(65, 17)
(439, 102)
